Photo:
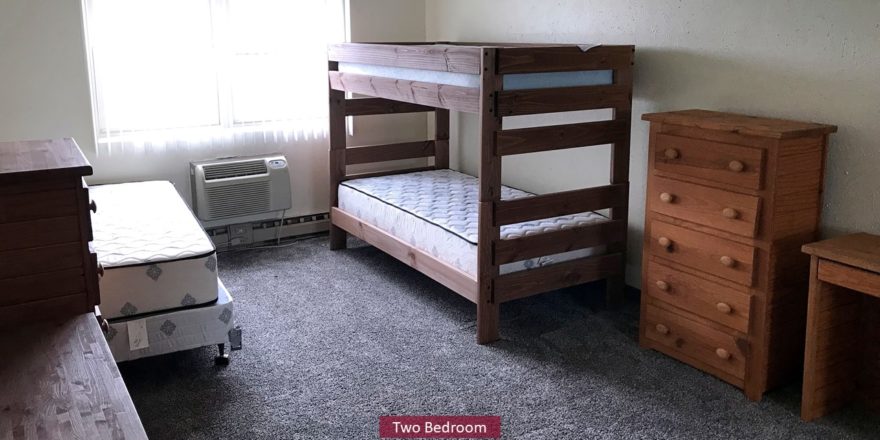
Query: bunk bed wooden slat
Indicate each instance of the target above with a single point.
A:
(388, 152)
(464, 99)
(563, 59)
(562, 99)
(565, 240)
(445, 58)
(386, 173)
(441, 272)
(381, 106)
(557, 137)
(556, 276)
(560, 203)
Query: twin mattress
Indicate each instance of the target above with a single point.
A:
(516, 81)
(155, 254)
(436, 211)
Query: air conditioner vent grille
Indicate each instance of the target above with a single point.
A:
(235, 169)
(241, 199)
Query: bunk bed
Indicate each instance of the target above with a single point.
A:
(485, 241)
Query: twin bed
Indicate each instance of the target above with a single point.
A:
(159, 273)
(487, 242)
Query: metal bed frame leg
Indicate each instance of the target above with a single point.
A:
(223, 357)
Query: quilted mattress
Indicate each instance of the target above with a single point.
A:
(436, 211)
(516, 81)
(155, 254)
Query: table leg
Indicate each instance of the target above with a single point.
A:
(832, 354)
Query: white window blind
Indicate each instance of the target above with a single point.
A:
(203, 73)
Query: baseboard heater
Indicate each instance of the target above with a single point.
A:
(267, 232)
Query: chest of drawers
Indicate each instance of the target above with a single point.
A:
(730, 201)
(47, 269)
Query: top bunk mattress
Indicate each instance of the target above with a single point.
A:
(517, 81)
(437, 211)
(155, 254)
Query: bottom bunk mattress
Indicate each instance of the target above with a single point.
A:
(436, 211)
(174, 331)
(155, 254)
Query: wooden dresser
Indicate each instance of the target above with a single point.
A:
(48, 270)
(730, 201)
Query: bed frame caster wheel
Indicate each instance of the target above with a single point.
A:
(223, 357)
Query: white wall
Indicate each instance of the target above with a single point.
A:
(388, 20)
(806, 59)
(44, 86)
(44, 93)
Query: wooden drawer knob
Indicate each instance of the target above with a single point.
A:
(723, 308)
(736, 166)
(722, 353)
(727, 261)
(671, 153)
(662, 329)
(664, 242)
(730, 213)
(100, 270)
(663, 285)
(666, 197)
(93, 206)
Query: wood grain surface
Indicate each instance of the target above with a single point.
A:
(858, 250)
(59, 381)
(741, 124)
(54, 158)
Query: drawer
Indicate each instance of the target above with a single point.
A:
(40, 232)
(721, 304)
(725, 210)
(849, 277)
(690, 341)
(31, 261)
(41, 286)
(711, 161)
(717, 256)
(29, 206)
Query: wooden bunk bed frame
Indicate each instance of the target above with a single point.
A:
(491, 61)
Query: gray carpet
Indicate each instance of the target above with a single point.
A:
(335, 339)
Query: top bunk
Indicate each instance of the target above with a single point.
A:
(528, 78)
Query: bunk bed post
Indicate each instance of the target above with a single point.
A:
(490, 194)
(441, 138)
(338, 236)
(616, 284)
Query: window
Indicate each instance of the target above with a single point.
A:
(183, 71)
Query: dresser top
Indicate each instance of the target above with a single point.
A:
(22, 161)
(741, 124)
(59, 380)
(860, 250)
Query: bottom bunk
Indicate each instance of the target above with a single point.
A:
(429, 220)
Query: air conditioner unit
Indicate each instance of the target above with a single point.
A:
(240, 189)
